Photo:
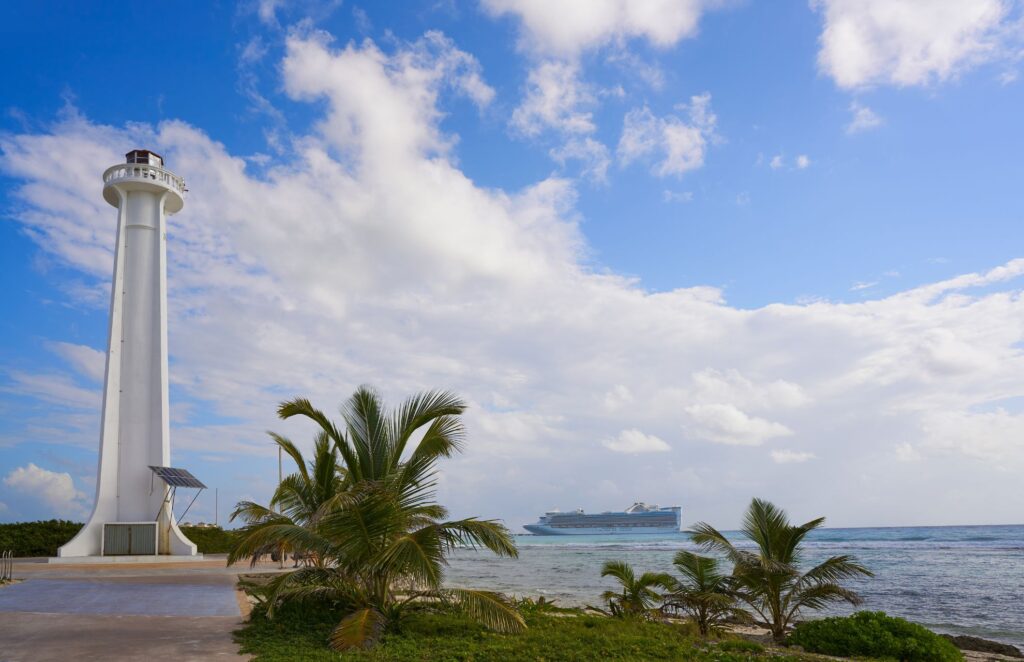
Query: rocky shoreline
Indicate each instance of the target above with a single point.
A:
(989, 650)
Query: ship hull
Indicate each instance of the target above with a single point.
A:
(543, 530)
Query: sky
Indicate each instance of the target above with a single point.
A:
(686, 252)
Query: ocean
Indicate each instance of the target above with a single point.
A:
(952, 579)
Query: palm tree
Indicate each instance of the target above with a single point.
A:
(704, 592)
(302, 497)
(382, 539)
(638, 593)
(769, 580)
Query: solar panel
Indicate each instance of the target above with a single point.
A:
(177, 477)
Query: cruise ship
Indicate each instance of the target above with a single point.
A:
(638, 518)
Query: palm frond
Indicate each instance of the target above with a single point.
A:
(491, 609)
(474, 533)
(661, 580)
(419, 554)
(292, 450)
(835, 569)
(820, 596)
(258, 539)
(419, 410)
(360, 629)
(709, 539)
(311, 584)
(303, 407)
(253, 513)
(619, 570)
(368, 432)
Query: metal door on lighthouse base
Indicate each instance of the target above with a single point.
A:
(129, 539)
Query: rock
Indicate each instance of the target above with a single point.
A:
(967, 643)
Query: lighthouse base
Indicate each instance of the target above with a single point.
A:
(99, 560)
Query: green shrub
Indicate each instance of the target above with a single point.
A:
(37, 538)
(211, 540)
(43, 538)
(873, 634)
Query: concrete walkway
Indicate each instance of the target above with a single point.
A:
(124, 612)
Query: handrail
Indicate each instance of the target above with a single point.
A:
(145, 172)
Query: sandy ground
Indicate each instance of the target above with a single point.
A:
(151, 611)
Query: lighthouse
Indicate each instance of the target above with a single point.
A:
(133, 515)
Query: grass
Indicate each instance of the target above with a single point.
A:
(299, 632)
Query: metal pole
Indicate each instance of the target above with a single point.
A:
(280, 552)
(216, 506)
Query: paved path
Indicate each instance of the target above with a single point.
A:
(145, 613)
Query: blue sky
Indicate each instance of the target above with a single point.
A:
(725, 248)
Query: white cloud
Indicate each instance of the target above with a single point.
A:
(863, 285)
(909, 42)
(677, 196)
(995, 436)
(778, 162)
(268, 10)
(55, 388)
(567, 28)
(555, 99)
(343, 265)
(907, 453)
(57, 490)
(619, 396)
(727, 424)
(784, 456)
(592, 154)
(636, 68)
(712, 385)
(863, 119)
(635, 441)
(680, 147)
(557, 102)
(85, 360)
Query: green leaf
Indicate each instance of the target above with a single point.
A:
(360, 629)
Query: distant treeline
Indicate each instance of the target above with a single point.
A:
(37, 538)
(43, 538)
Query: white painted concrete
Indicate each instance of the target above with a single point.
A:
(135, 422)
(94, 560)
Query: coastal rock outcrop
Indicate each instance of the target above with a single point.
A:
(968, 643)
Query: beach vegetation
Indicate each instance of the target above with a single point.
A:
(378, 539)
(37, 538)
(299, 631)
(300, 500)
(873, 634)
(44, 538)
(637, 595)
(704, 592)
(211, 539)
(770, 580)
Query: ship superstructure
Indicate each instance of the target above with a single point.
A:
(638, 518)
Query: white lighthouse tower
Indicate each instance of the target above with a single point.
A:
(133, 514)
